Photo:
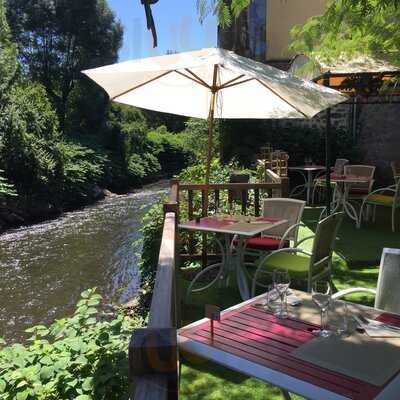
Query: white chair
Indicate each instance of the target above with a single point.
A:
(319, 181)
(384, 197)
(357, 191)
(387, 293)
(281, 236)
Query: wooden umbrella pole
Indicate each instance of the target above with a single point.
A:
(214, 90)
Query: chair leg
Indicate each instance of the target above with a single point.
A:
(393, 220)
(286, 395)
(374, 214)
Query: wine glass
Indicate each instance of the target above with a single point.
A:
(281, 282)
(321, 296)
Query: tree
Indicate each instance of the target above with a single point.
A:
(57, 40)
(8, 55)
(351, 27)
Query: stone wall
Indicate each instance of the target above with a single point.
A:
(376, 127)
(379, 135)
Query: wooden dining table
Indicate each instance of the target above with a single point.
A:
(258, 344)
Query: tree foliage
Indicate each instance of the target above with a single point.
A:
(225, 10)
(56, 40)
(350, 27)
(8, 54)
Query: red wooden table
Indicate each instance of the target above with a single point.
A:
(258, 344)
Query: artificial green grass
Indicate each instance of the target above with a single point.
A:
(358, 252)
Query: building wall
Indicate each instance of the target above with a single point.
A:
(282, 16)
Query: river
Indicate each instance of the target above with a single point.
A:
(45, 267)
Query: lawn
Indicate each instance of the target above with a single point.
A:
(356, 261)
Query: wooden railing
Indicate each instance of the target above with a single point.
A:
(275, 187)
(153, 354)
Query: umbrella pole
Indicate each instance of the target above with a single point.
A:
(214, 90)
(328, 162)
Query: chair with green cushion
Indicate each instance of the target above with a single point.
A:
(384, 197)
(302, 264)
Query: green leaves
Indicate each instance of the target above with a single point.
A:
(221, 9)
(79, 359)
(352, 27)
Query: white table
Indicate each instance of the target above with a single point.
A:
(308, 173)
(229, 227)
(340, 198)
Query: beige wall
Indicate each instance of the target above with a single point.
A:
(282, 15)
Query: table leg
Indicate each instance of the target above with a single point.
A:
(348, 207)
(240, 273)
(309, 184)
(299, 189)
(286, 395)
(222, 266)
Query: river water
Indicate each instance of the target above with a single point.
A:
(45, 267)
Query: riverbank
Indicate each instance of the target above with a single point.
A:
(13, 215)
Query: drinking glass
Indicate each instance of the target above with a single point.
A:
(272, 299)
(339, 319)
(321, 296)
(281, 283)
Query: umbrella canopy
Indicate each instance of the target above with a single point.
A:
(213, 83)
(184, 84)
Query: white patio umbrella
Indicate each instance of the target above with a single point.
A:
(213, 83)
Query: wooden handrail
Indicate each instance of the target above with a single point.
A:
(228, 186)
(162, 382)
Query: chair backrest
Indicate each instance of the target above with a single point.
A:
(367, 171)
(396, 170)
(387, 291)
(289, 209)
(338, 168)
(325, 237)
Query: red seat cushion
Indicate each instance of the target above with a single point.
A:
(265, 243)
(359, 191)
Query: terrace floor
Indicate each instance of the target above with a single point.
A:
(360, 251)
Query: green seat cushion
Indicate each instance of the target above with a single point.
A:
(381, 199)
(296, 264)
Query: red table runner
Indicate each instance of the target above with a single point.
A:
(261, 338)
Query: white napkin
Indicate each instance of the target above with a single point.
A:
(377, 329)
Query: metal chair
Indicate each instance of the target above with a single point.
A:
(384, 197)
(358, 191)
(338, 169)
(396, 170)
(387, 293)
(302, 264)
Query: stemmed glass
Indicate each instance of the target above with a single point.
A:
(281, 283)
(321, 296)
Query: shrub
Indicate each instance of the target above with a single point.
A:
(83, 357)
(171, 149)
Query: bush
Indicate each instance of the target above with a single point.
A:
(28, 147)
(243, 139)
(83, 168)
(82, 357)
(171, 149)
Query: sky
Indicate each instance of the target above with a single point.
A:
(177, 23)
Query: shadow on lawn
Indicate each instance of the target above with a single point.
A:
(360, 248)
